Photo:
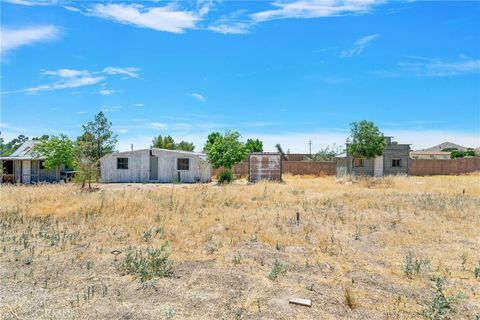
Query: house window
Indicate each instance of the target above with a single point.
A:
(358, 162)
(396, 163)
(183, 164)
(122, 163)
(42, 165)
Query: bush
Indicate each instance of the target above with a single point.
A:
(226, 177)
(155, 264)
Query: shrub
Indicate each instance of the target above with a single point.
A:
(277, 269)
(441, 303)
(153, 264)
(413, 266)
(226, 177)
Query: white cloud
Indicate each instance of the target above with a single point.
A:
(426, 67)
(138, 105)
(198, 96)
(230, 28)
(105, 92)
(70, 78)
(167, 18)
(33, 2)
(121, 130)
(66, 73)
(314, 9)
(110, 108)
(358, 46)
(157, 125)
(81, 112)
(14, 38)
(130, 71)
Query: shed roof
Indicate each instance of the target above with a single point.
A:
(24, 152)
(191, 153)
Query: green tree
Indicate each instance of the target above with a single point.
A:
(166, 142)
(42, 137)
(326, 154)
(212, 137)
(98, 133)
(280, 150)
(365, 141)
(8, 148)
(226, 151)
(185, 146)
(57, 151)
(254, 145)
(85, 165)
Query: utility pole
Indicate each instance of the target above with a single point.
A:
(310, 146)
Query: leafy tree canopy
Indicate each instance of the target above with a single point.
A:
(211, 139)
(326, 154)
(185, 146)
(8, 148)
(365, 141)
(57, 150)
(99, 133)
(163, 142)
(254, 145)
(225, 150)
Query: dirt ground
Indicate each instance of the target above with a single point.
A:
(367, 249)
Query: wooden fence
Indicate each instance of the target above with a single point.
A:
(291, 167)
(417, 167)
(429, 167)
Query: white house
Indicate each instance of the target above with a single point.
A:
(155, 165)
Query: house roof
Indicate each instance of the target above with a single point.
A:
(191, 153)
(24, 152)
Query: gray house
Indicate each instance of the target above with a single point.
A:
(26, 166)
(155, 165)
(394, 160)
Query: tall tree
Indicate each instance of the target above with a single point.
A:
(166, 142)
(226, 151)
(365, 141)
(8, 148)
(57, 151)
(254, 145)
(212, 137)
(185, 146)
(282, 153)
(98, 133)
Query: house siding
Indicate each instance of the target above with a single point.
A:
(139, 167)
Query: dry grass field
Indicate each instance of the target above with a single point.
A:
(360, 250)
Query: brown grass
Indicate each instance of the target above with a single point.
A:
(56, 245)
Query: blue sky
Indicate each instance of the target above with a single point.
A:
(281, 71)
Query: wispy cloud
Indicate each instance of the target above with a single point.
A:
(426, 67)
(130, 71)
(105, 92)
(33, 2)
(139, 105)
(157, 125)
(306, 9)
(230, 28)
(14, 38)
(358, 46)
(198, 96)
(81, 112)
(111, 108)
(70, 78)
(167, 18)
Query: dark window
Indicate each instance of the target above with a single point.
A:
(8, 167)
(183, 164)
(358, 162)
(42, 165)
(122, 163)
(396, 163)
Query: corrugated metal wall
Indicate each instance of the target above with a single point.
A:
(265, 166)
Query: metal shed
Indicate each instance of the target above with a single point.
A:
(264, 166)
(26, 166)
(155, 165)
